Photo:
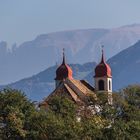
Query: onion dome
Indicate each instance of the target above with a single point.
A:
(63, 71)
(103, 69)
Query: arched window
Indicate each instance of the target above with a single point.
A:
(109, 85)
(101, 85)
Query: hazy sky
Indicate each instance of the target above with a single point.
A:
(22, 20)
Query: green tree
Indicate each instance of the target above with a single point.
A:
(62, 123)
(15, 111)
(126, 122)
(21, 119)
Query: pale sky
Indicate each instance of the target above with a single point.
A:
(22, 20)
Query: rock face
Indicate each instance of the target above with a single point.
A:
(45, 50)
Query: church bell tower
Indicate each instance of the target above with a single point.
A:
(103, 77)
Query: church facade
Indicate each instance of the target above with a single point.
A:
(78, 90)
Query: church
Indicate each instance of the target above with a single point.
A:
(78, 90)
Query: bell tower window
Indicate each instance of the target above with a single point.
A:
(109, 85)
(101, 85)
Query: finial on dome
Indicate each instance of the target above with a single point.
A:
(63, 56)
(102, 59)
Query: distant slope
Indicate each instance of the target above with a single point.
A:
(81, 46)
(126, 67)
(39, 86)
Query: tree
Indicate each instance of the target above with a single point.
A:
(15, 111)
(126, 124)
(61, 119)
(21, 119)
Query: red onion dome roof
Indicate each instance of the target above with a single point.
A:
(103, 69)
(63, 71)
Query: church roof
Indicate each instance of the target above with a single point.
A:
(76, 90)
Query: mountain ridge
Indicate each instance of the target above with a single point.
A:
(45, 50)
(125, 69)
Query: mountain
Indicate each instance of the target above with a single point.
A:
(45, 50)
(125, 70)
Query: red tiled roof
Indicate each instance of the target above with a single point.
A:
(63, 72)
(73, 89)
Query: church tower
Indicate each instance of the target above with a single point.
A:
(103, 76)
(63, 72)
